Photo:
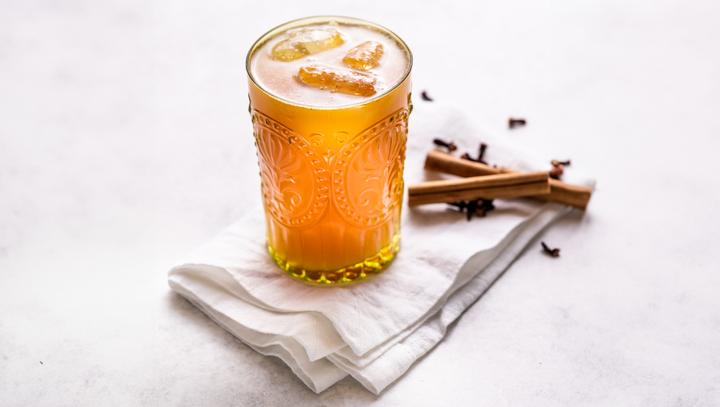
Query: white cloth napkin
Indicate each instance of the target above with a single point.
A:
(376, 329)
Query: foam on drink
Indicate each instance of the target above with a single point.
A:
(329, 65)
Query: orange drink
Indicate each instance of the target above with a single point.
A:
(329, 101)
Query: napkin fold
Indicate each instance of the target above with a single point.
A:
(376, 329)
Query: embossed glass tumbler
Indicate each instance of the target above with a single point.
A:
(331, 162)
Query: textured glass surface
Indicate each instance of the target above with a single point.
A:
(332, 183)
(332, 202)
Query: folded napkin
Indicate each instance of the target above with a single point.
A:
(373, 330)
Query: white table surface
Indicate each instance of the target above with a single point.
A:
(123, 131)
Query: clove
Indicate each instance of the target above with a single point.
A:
(479, 207)
(481, 151)
(552, 252)
(426, 97)
(481, 154)
(558, 168)
(447, 144)
(516, 122)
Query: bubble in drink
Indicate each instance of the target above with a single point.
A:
(338, 80)
(306, 41)
(365, 56)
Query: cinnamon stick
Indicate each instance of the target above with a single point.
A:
(485, 187)
(560, 192)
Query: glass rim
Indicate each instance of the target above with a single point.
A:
(300, 22)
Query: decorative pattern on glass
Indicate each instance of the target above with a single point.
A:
(367, 176)
(295, 179)
(363, 174)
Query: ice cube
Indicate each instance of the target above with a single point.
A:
(365, 56)
(306, 41)
(338, 80)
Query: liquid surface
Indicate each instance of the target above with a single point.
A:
(279, 74)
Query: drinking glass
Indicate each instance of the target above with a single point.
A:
(332, 177)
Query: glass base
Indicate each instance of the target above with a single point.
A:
(350, 274)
